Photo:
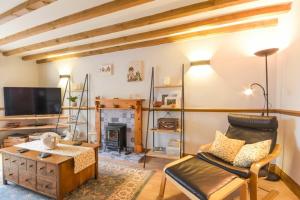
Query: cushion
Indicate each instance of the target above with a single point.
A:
(251, 153)
(199, 177)
(225, 148)
(241, 172)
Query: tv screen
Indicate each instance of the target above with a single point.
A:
(31, 101)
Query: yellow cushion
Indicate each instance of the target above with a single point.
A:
(251, 153)
(225, 148)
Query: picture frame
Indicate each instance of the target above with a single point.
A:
(106, 69)
(135, 71)
(171, 101)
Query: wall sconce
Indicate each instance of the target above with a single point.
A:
(200, 63)
(200, 69)
(65, 76)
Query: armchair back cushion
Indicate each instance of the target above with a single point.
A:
(252, 128)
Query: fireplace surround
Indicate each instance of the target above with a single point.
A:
(133, 106)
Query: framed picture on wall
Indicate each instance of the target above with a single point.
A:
(106, 69)
(135, 71)
(169, 100)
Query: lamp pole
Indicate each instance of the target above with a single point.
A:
(267, 84)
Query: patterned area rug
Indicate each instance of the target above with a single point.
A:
(133, 157)
(115, 182)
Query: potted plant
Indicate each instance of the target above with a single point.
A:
(73, 99)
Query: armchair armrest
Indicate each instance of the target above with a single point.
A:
(255, 167)
(204, 148)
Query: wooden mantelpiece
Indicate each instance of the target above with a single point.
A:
(122, 104)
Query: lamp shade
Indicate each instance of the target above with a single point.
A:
(266, 52)
(200, 62)
(64, 76)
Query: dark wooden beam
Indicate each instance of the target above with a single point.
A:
(87, 14)
(148, 20)
(219, 20)
(170, 39)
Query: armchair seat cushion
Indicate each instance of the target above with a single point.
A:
(200, 177)
(239, 171)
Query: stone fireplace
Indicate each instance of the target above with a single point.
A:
(124, 111)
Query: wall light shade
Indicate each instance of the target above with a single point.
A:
(65, 76)
(200, 69)
(200, 62)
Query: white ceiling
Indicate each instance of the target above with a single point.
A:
(62, 8)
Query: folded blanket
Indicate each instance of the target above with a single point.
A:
(83, 156)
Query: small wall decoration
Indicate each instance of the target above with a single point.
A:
(135, 71)
(169, 100)
(106, 69)
(168, 123)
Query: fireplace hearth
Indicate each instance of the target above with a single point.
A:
(115, 136)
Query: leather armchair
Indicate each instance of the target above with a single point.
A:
(252, 129)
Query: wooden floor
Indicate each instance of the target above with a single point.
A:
(150, 191)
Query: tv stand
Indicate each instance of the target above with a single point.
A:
(36, 126)
(31, 117)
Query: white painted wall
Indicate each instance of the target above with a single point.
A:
(289, 96)
(234, 67)
(233, 70)
(16, 73)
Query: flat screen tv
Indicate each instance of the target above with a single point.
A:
(31, 101)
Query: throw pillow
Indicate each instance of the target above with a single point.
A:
(225, 148)
(251, 153)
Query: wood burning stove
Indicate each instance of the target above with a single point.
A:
(115, 136)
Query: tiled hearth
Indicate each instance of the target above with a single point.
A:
(118, 116)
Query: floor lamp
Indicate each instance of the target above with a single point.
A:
(265, 53)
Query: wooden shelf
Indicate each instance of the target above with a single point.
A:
(116, 108)
(167, 86)
(50, 126)
(72, 123)
(31, 117)
(165, 109)
(76, 108)
(161, 154)
(76, 91)
(166, 131)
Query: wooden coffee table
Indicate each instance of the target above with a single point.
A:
(53, 176)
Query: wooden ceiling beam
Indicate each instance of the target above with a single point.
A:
(152, 19)
(22, 9)
(170, 39)
(219, 20)
(87, 14)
